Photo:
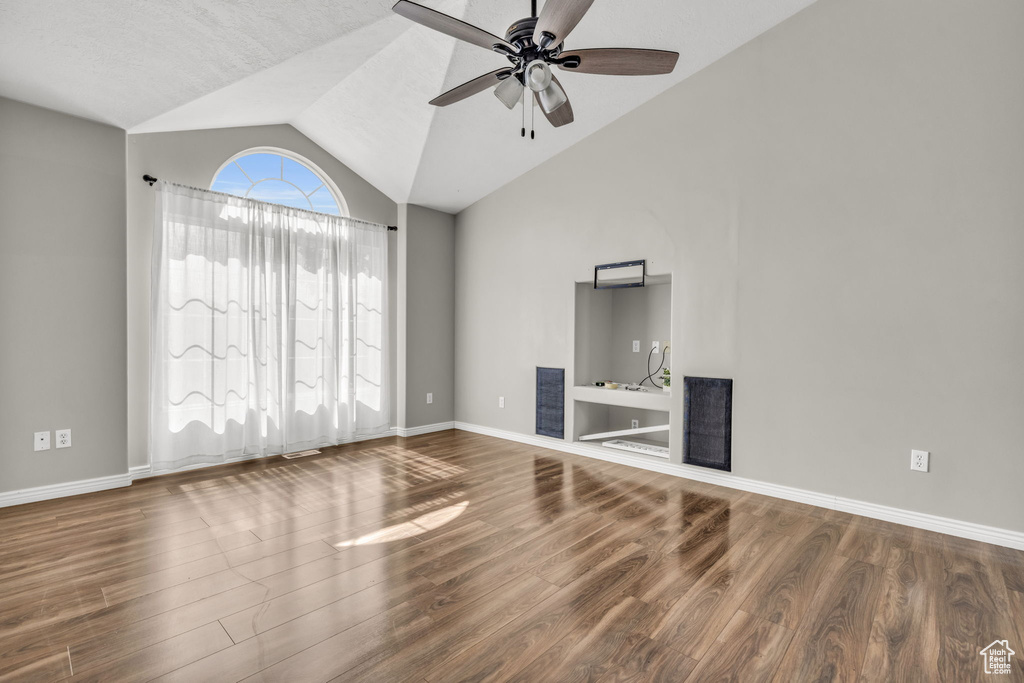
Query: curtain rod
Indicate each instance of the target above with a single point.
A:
(151, 179)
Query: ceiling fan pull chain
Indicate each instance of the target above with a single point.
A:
(523, 132)
(533, 107)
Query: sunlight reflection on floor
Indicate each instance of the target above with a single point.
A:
(396, 532)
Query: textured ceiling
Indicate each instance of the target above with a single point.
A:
(352, 76)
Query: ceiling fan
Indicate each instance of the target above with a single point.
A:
(533, 45)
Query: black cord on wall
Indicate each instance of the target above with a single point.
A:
(650, 375)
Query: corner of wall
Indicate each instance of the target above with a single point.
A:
(426, 317)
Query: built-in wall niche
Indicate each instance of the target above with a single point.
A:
(614, 334)
(608, 321)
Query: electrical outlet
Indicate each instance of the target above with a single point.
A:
(63, 438)
(41, 440)
(501, 401)
(430, 398)
(919, 461)
(634, 424)
(665, 346)
(636, 346)
(656, 346)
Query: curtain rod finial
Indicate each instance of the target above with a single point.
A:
(149, 179)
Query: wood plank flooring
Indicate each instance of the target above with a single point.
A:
(458, 557)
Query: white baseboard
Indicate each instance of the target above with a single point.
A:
(71, 488)
(140, 472)
(944, 525)
(425, 429)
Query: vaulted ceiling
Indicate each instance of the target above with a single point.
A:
(352, 76)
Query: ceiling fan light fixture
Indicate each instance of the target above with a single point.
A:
(509, 91)
(551, 98)
(538, 75)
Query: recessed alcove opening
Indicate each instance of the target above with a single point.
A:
(615, 330)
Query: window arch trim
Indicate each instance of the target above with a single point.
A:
(329, 183)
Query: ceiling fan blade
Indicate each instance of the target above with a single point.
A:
(558, 18)
(621, 61)
(560, 116)
(448, 25)
(479, 84)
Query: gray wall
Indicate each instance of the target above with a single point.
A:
(427, 295)
(62, 296)
(192, 158)
(840, 205)
(637, 314)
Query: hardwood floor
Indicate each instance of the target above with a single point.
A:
(454, 556)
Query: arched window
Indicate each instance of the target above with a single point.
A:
(279, 177)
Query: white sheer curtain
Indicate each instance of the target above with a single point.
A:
(269, 329)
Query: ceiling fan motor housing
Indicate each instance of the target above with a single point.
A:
(520, 36)
(520, 33)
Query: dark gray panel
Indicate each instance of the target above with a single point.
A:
(551, 402)
(707, 417)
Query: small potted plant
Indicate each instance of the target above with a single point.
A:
(666, 380)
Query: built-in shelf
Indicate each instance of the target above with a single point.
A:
(645, 400)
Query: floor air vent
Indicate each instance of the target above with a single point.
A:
(637, 447)
(300, 454)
